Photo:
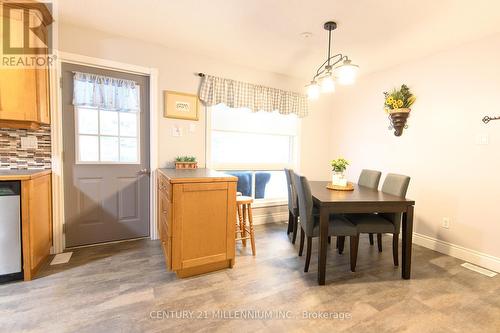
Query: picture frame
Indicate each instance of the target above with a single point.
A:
(178, 105)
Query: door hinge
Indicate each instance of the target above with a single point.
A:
(60, 82)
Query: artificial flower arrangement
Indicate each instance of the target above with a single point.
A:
(186, 162)
(398, 104)
(338, 167)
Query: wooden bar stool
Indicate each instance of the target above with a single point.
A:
(244, 229)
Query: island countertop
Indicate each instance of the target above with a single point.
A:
(196, 175)
(22, 174)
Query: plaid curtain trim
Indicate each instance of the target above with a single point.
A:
(236, 94)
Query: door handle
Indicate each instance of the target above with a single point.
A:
(143, 172)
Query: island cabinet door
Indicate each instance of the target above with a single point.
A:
(164, 224)
(203, 223)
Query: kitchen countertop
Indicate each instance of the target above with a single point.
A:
(22, 174)
(196, 175)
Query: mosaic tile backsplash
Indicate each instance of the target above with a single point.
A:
(12, 156)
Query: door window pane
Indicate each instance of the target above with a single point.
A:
(109, 149)
(87, 121)
(128, 150)
(88, 148)
(109, 123)
(128, 124)
(107, 136)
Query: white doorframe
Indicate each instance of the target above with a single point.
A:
(57, 143)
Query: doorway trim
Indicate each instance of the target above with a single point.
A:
(57, 143)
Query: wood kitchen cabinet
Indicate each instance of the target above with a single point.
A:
(24, 91)
(196, 220)
(36, 216)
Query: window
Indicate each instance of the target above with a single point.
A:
(255, 147)
(106, 136)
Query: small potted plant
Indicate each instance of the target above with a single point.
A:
(397, 104)
(186, 162)
(338, 167)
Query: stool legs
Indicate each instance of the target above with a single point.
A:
(246, 231)
(250, 222)
(242, 224)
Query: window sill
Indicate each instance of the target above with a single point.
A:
(259, 203)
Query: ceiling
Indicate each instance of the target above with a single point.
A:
(265, 34)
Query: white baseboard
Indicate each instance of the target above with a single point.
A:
(457, 251)
(270, 218)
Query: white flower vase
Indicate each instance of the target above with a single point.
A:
(338, 179)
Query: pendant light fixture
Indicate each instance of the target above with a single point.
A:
(336, 69)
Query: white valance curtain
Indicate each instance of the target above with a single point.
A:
(105, 92)
(235, 94)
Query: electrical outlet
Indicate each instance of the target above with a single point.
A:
(482, 139)
(446, 223)
(29, 142)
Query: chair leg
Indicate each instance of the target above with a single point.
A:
(395, 246)
(301, 246)
(379, 242)
(290, 223)
(371, 238)
(354, 243)
(341, 240)
(295, 227)
(308, 254)
(329, 240)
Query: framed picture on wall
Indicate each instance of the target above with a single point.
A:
(180, 105)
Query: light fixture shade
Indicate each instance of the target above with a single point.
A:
(313, 90)
(346, 73)
(327, 84)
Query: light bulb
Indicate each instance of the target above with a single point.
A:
(313, 90)
(327, 84)
(346, 73)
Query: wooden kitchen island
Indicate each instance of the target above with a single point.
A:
(196, 220)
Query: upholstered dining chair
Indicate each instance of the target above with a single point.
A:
(309, 224)
(367, 178)
(384, 222)
(293, 209)
(371, 179)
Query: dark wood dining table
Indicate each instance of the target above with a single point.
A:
(360, 200)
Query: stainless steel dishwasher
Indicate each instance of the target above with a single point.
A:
(11, 266)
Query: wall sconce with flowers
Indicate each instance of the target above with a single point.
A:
(398, 104)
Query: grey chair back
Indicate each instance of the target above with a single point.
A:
(305, 204)
(292, 193)
(369, 178)
(396, 185)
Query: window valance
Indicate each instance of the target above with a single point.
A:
(106, 92)
(236, 94)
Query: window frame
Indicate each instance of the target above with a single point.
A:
(98, 135)
(293, 164)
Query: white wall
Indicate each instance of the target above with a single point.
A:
(451, 175)
(177, 72)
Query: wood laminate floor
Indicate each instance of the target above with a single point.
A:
(124, 287)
